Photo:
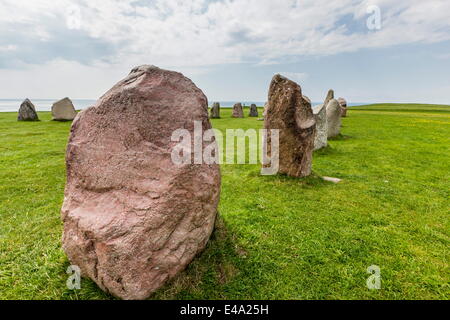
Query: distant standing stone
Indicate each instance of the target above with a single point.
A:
(215, 111)
(63, 110)
(292, 114)
(343, 104)
(253, 111)
(27, 112)
(321, 138)
(238, 112)
(333, 118)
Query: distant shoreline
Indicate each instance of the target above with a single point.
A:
(42, 105)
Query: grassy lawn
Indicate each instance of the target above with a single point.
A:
(278, 237)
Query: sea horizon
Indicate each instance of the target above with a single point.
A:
(13, 105)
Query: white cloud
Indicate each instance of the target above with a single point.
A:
(98, 41)
(9, 47)
(193, 33)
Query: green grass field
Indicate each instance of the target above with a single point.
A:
(278, 237)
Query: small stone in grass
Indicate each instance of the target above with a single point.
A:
(334, 180)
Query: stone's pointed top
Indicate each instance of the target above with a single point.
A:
(330, 96)
(144, 68)
(66, 99)
(278, 77)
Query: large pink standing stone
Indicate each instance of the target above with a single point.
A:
(132, 218)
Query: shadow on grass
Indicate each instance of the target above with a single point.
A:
(219, 264)
(327, 151)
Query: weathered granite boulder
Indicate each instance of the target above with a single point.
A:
(321, 137)
(289, 112)
(215, 111)
(343, 104)
(334, 118)
(253, 111)
(238, 112)
(27, 112)
(134, 218)
(63, 110)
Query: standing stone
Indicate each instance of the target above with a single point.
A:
(289, 112)
(333, 118)
(253, 111)
(134, 218)
(321, 137)
(343, 104)
(27, 112)
(238, 112)
(63, 110)
(215, 111)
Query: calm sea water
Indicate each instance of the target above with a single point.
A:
(12, 105)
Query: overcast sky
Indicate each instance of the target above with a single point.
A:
(229, 48)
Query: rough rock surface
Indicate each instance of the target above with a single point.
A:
(238, 112)
(215, 111)
(132, 218)
(27, 112)
(321, 137)
(333, 118)
(63, 110)
(343, 104)
(289, 112)
(253, 111)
